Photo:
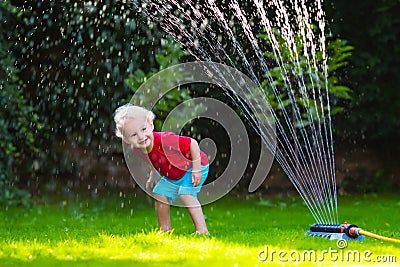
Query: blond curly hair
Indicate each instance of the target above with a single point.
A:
(129, 111)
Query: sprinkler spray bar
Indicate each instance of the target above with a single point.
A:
(345, 230)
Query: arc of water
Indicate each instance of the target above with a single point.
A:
(301, 21)
(254, 42)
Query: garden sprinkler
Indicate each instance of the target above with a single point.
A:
(345, 231)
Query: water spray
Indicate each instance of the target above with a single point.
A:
(345, 231)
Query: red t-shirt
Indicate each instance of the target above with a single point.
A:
(170, 155)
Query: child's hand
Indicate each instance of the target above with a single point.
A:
(150, 182)
(196, 162)
(196, 178)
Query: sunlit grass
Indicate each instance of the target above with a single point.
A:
(246, 231)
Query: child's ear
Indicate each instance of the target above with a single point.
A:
(150, 124)
(124, 140)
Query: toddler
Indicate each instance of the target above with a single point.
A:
(178, 159)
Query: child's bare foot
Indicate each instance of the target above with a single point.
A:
(201, 233)
(166, 231)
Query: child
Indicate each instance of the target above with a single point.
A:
(183, 166)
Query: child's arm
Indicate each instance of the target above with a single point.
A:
(196, 162)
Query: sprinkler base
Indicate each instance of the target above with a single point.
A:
(335, 236)
(343, 231)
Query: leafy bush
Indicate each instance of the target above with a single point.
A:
(19, 123)
(290, 73)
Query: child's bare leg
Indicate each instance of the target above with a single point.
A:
(196, 212)
(162, 210)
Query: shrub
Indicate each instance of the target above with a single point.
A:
(18, 123)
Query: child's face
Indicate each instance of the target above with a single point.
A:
(138, 132)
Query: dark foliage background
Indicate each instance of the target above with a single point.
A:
(63, 65)
(373, 27)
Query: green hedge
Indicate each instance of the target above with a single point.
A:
(19, 123)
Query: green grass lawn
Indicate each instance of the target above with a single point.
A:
(122, 231)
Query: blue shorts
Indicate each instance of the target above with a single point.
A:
(184, 186)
